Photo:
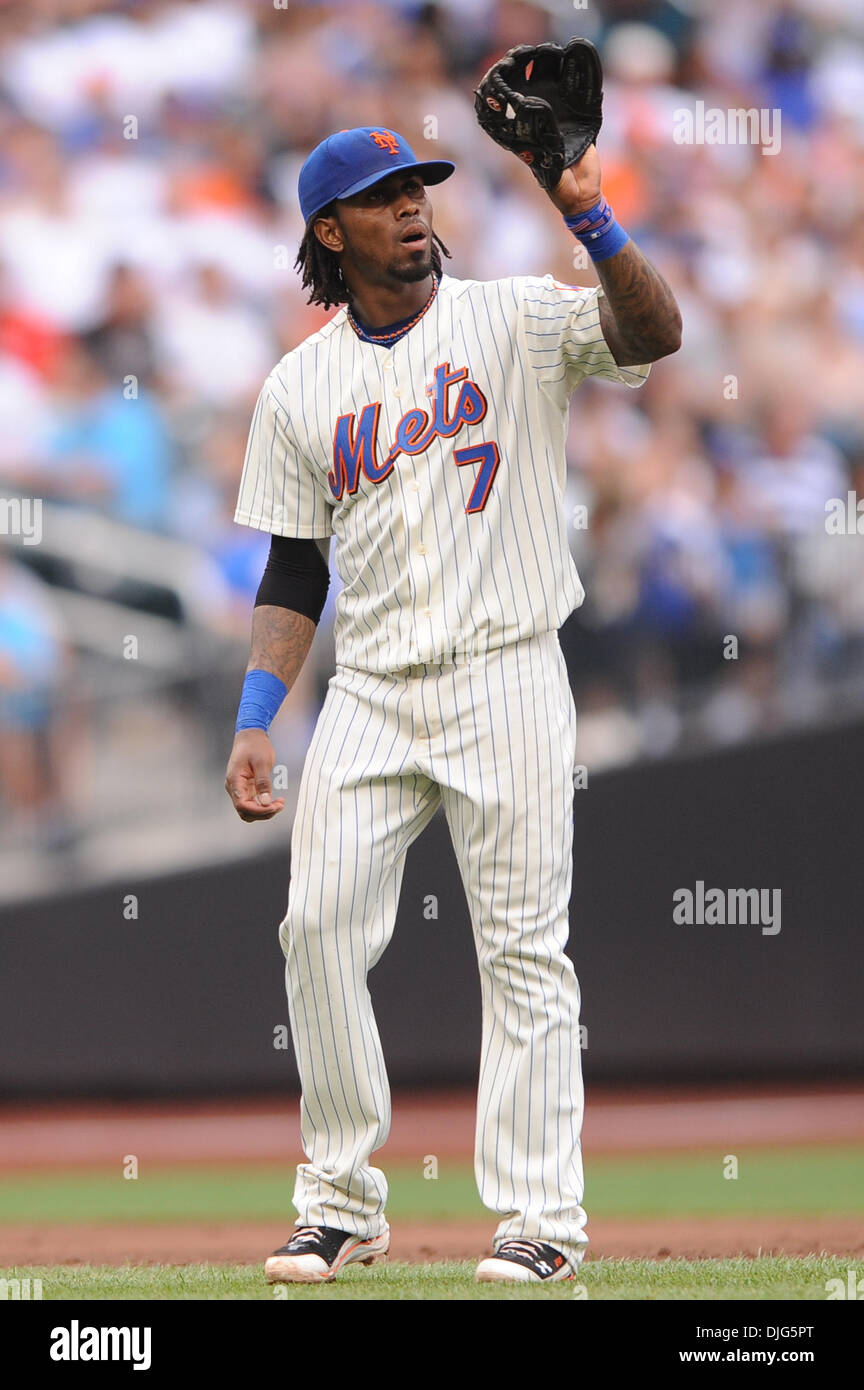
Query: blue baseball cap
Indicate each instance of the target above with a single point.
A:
(352, 160)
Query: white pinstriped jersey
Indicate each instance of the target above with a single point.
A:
(437, 464)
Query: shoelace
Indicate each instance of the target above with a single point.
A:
(521, 1247)
(312, 1233)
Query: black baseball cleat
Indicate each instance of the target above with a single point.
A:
(315, 1254)
(524, 1261)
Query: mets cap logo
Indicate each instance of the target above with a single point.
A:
(385, 140)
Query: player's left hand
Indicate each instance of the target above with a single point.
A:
(579, 188)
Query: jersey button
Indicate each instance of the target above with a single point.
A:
(415, 487)
(422, 549)
(427, 612)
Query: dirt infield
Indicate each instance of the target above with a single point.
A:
(249, 1242)
(435, 1122)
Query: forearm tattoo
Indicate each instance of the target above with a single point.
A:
(281, 640)
(638, 315)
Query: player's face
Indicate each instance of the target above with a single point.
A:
(384, 234)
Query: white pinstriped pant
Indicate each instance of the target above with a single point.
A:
(493, 738)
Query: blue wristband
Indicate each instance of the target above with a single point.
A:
(260, 699)
(598, 231)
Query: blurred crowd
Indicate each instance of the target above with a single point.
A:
(149, 154)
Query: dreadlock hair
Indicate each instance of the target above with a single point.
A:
(322, 273)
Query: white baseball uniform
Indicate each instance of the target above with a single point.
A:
(438, 464)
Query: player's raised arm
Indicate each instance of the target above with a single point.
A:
(638, 313)
(287, 609)
(545, 104)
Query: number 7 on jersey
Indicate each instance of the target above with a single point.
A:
(487, 456)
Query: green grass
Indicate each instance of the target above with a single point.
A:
(812, 1181)
(704, 1280)
(815, 1181)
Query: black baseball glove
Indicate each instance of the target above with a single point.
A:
(545, 104)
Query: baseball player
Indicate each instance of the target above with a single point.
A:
(424, 427)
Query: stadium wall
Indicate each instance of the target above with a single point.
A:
(188, 999)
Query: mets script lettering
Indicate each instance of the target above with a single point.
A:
(355, 442)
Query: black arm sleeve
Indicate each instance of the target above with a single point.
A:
(296, 576)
